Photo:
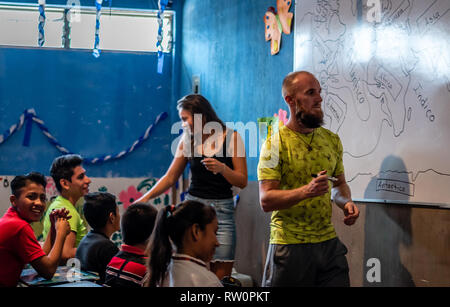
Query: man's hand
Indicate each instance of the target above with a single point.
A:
(351, 213)
(318, 186)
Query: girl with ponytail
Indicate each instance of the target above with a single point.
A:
(191, 226)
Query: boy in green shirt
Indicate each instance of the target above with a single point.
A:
(72, 183)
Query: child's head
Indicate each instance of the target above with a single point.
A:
(28, 196)
(100, 210)
(191, 226)
(137, 223)
(69, 175)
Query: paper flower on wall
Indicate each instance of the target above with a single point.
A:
(277, 22)
(129, 196)
(282, 116)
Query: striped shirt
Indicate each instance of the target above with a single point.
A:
(127, 268)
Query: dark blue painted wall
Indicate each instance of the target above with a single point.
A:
(223, 43)
(92, 106)
(101, 106)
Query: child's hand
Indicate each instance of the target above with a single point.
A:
(59, 213)
(56, 214)
(62, 226)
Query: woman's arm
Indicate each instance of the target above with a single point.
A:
(174, 172)
(236, 176)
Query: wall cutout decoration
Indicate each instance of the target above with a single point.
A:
(282, 117)
(30, 116)
(277, 22)
(267, 127)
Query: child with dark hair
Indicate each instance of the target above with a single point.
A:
(191, 226)
(72, 183)
(96, 249)
(18, 244)
(128, 267)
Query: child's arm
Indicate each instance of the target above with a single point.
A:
(69, 249)
(46, 265)
(54, 215)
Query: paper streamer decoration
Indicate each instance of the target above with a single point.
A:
(162, 4)
(28, 127)
(30, 116)
(41, 39)
(98, 7)
(66, 29)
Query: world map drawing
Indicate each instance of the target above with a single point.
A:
(384, 68)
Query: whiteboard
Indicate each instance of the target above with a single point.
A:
(384, 68)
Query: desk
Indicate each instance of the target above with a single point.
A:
(78, 284)
(63, 275)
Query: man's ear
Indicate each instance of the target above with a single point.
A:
(13, 199)
(288, 100)
(64, 184)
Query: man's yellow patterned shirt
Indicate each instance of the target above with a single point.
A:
(285, 157)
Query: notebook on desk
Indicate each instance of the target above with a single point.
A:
(63, 274)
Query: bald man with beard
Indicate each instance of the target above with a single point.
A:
(300, 167)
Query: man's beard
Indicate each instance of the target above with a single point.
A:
(309, 120)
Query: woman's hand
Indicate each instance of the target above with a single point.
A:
(214, 165)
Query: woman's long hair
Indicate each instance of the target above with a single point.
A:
(197, 104)
(171, 224)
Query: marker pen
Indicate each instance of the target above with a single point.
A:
(334, 179)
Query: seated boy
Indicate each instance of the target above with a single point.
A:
(72, 183)
(18, 244)
(96, 249)
(128, 267)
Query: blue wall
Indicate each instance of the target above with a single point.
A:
(92, 106)
(100, 106)
(223, 43)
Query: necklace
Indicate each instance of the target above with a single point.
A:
(308, 146)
